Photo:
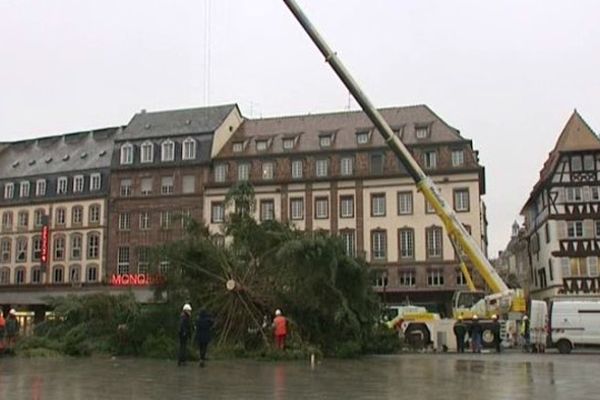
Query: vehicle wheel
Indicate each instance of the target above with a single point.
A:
(564, 346)
(487, 337)
(417, 335)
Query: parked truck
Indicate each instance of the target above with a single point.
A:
(500, 300)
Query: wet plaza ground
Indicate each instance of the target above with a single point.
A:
(409, 376)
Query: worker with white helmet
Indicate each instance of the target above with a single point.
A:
(185, 333)
(280, 327)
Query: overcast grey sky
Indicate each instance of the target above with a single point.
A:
(507, 74)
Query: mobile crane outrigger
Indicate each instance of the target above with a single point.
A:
(501, 300)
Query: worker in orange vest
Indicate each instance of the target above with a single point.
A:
(280, 327)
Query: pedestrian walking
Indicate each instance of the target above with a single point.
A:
(185, 333)
(280, 328)
(2, 331)
(12, 330)
(204, 323)
(460, 331)
(496, 332)
(525, 335)
(475, 334)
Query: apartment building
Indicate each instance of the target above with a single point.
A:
(333, 172)
(562, 216)
(53, 205)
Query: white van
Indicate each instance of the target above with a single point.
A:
(574, 322)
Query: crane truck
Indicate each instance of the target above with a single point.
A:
(507, 303)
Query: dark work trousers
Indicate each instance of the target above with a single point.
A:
(202, 346)
(460, 343)
(181, 358)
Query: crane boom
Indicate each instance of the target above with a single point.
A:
(425, 185)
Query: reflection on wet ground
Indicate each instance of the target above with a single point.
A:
(420, 376)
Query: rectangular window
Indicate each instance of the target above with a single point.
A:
(595, 193)
(262, 145)
(61, 185)
(573, 194)
(23, 219)
(21, 255)
(461, 200)
(94, 216)
(146, 186)
(430, 159)
(267, 210)
(422, 131)
(61, 216)
(124, 221)
(40, 187)
(322, 168)
(75, 247)
(77, 215)
(189, 184)
(461, 280)
(376, 164)
(362, 137)
(126, 154)
(576, 163)
(189, 149)
(167, 152)
(36, 275)
(166, 185)
(38, 218)
(5, 250)
(36, 248)
(147, 152)
(574, 229)
(78, 184)
(123, 260)
(407, 278)
(406, 239)
(288, 143)
(321, 207)
(346, 206)
(458, 158)
(347, 166)
(143, 260)
(166, 219)
(95, 182)
(405, 203)
(7, 220)
(243, 171)
(435, 277)
(238, 147)
(59, 248)
(588, 162)
(598, 228)
(378, 245)
(297, 208)
(592, 266)
(433, 240)
(348, 238)
(381, 279)
(429, 208)
(325, 141)
(9, 190)
(221, 173)
(92, 274)
(297, 169)
(217, 213)
(378, 205)
(125, 188)
(93, 246)
(24, 188)
(267, 170)
(144, 220)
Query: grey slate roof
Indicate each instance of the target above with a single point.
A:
(64, 153)
(171, 123)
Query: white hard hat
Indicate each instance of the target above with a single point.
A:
(187, 307)
(494, 316)
(278, 312)
(12, 311)
(525, 317)
(475, 316)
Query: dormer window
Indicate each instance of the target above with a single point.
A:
(167, 151)
(362, 137)
(422, 131)
(262, 145)
(189, 149)
(95, 182)
(458, 158)
(147, 152)
(78, 184)
(40, 187)
(288, 143)
(9, 190)
(61, 185)
(127, 154)
(24, 186)
(325, 140)
(238, 147)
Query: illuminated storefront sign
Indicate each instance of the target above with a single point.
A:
(136, 280)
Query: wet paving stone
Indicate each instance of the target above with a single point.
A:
(411, 376)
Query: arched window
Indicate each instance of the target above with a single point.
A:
(76, 246)
(59, 247)
(91, 273)
(7, 220)
(188, 151)
(58, 274)
(94, 214)
(20, 275)
(77, 215)
(36, 275)
(61, 216)
(21, 251)
(147, 152)
(167, 152)
(5, 276)
(93, 245)
(127, 153)
(5, 250)
(75, 273)
(38, 217)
